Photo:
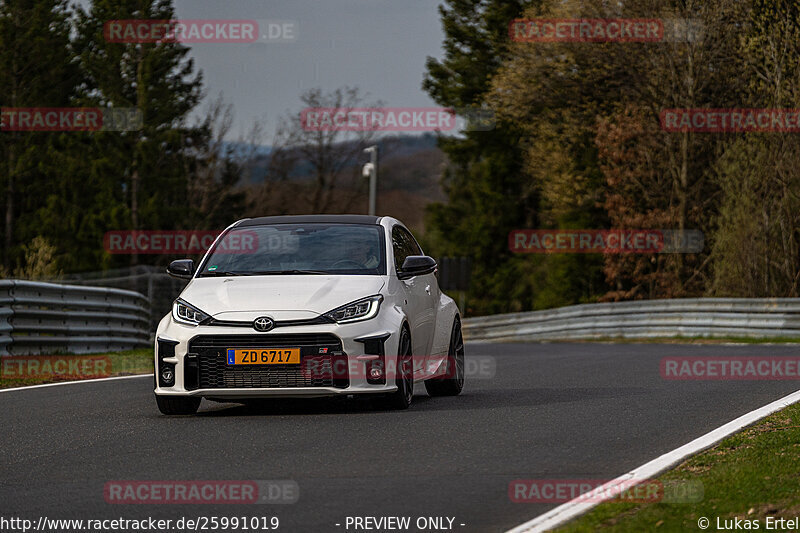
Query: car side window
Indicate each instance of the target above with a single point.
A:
(415, 248)
(403, 245)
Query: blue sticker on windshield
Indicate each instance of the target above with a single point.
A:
(212, 267)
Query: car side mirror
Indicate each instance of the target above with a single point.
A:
(416, 265)
(181, 268)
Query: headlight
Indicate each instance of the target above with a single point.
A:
(359, 310)
(186, 314)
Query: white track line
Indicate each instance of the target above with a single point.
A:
(565, 512)
(74, 382)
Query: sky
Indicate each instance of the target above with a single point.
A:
(379, 46)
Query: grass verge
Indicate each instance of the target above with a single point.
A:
(680, 340)
(19, 371)
(751, 475)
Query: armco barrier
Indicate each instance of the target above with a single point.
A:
(160, 288)
(690, 317)
(50, 318)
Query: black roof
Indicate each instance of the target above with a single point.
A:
(309, 219)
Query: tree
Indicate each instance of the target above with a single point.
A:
(332, 155)
(486, 198)
(157, 79)
(594, 148)
(756, 249)
(216, 167)
(37, 69)
(39, 261)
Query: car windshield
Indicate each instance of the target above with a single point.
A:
(297, 249)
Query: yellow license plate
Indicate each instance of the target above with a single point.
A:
(261, 356)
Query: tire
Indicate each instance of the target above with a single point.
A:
(401, 398)
(178, 405)
(452, 383)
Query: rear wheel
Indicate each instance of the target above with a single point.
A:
(178, 405)
(452, 382)
(401, 398)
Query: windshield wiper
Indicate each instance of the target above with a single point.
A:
(215, 273)
(278, 272)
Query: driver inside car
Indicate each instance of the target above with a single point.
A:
(364, 254)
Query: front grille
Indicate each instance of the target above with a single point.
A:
(315, 369)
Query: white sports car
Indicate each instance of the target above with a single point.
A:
(308, 306)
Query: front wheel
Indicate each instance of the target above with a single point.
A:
(401, 398)
(452, 382)
(178, 405)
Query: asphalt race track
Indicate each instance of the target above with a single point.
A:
(551, 411)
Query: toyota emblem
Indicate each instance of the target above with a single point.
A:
(263, 323)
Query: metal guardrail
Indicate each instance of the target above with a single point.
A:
(50, 318)
(690, 317)
(160, 288)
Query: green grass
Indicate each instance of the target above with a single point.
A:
(671, 340)
(125, 363)
(750, 475)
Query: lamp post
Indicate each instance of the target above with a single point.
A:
(371, 170)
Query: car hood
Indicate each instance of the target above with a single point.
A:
(282, 297)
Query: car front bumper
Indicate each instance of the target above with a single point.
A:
(196, 356)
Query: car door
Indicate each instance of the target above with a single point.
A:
(430, 295)
(419, 292)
